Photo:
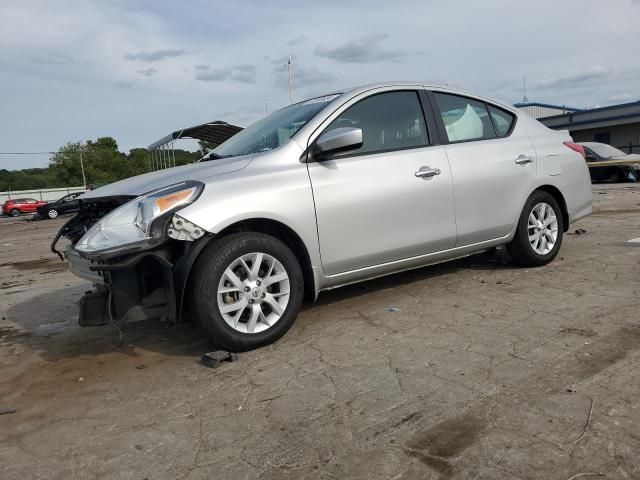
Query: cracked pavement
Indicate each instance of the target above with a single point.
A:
(482, 370)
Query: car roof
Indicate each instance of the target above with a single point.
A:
(416, 84)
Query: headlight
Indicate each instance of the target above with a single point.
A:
(138, 224)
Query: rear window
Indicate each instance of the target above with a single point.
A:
(464, 118)
(502, 120)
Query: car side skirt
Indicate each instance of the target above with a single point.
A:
(375, 271)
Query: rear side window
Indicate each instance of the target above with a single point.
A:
(389, 121)
(464, 119)
(502, 120)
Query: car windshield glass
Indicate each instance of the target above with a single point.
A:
(605, 151)
(273, 130)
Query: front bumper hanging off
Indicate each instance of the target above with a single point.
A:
(139, 286)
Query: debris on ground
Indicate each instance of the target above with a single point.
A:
(213, 359)
(393, 309)
(6, 410)
(578, 231)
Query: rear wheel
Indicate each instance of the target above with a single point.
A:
(15, 212)
(247, 290)
(539, 233)
(53, 213)
(615, 176)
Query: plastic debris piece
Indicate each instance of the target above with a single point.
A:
(393, 309)
(7, 410)
(213, 359)
(578, 231)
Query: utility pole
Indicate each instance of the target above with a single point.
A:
(84, 180)
(524, 89)
(266, 108)
(289, 71)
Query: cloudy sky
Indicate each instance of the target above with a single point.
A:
(136, 70)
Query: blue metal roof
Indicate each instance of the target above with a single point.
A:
(628, 112)
(546, 105)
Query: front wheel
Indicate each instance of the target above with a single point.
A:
(53, 213)
(246, 291)
(539, 233)
(15, 212)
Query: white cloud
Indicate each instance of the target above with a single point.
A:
(78, 70)
(580, 77)
(155, 55)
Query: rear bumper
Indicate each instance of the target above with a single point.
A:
(579, 199)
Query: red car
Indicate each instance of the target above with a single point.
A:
(18, 206)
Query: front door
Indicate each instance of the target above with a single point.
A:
(388, 200)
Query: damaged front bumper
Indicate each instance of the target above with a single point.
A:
(138, 286)
(136, 251)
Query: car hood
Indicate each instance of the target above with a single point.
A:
(141, 184)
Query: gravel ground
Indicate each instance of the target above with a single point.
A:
(471, 369)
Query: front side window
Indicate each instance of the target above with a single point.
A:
(273, 130)
(389, 121)
(464, 119)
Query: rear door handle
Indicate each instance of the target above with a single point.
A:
(523, 159)
(427, 171)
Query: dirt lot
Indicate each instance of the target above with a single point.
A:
(473, 369)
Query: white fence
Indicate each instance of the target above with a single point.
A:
(46, 194)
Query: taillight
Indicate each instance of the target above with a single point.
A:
(576, 148)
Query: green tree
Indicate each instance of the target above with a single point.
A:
(102, 162)
(206, 147)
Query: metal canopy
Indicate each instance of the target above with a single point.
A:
(161, 152)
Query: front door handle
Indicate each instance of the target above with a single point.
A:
(523, 159)
(427, 171)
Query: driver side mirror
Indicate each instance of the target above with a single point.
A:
(337, 140)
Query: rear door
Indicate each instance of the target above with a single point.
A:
(371, 208)
(493, 165)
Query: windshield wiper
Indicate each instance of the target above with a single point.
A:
(214, 156)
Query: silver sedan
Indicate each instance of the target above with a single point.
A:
(325, 192)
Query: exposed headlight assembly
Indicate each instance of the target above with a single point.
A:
(140, 223)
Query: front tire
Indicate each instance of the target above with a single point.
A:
(15, 212)
(539, 233)
(246, 291)
(53, 213)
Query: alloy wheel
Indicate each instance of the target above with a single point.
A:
(253, 292)
(542, 228)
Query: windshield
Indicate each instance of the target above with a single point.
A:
(273, 130)
(605, 151)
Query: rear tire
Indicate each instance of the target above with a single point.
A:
(239, 307)
(15, 212)
(615, 176)
(539, 233)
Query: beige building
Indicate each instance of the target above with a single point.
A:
(542, 110)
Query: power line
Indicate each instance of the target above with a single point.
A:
(27, 153)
